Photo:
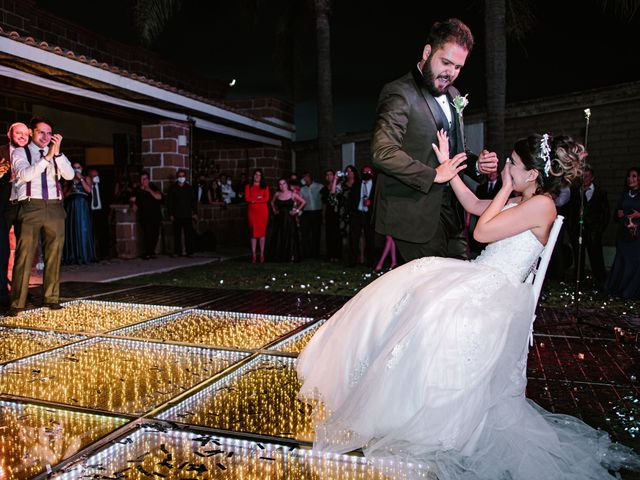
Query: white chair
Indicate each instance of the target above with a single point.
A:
(536, 277)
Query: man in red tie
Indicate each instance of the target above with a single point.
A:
(38, 168)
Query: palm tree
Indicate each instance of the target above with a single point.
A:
(152, 17)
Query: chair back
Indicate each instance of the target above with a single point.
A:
(536, 277)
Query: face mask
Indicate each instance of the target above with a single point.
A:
(228, 182)
(96, 179)
(77, 170)
(367, 176)
(302, 182)
(182, 179)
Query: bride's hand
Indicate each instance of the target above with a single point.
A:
(507, 180)
(442, 150)
(449, 168)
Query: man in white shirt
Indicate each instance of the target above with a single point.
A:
(38, 168)
(311, 220)
(99, 215)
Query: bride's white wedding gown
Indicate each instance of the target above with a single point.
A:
(428, 364)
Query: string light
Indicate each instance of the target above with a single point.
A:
(217, 328)
(113, 375)
(152, 454)
(17, 342)
(34, 437)
(88, 316)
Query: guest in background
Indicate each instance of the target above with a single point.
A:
(286, 205)
(79, 245)
(624, 278)
(595, 219)
(203, 191)
(350, 179)
(18, 138)
(99, 215)
(485, 191)
(183, 211)
(146, 201)
(360, 224)
(330, 194)
(240, 187)
(37, 168)
(227, 193)
(389, 248)
(311, 220)
(256, 195)
(562, 253)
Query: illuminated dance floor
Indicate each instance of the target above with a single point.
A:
(163, 382)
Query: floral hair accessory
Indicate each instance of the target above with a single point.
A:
(545, 154)
(459, 102)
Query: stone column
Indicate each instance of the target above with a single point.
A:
(165, 149)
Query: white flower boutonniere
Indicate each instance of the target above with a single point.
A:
(459, 102)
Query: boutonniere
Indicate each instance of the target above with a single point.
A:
(459, 102)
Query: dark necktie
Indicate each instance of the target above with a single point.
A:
(43, 180)
(94, 200)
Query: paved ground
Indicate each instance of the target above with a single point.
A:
(587, 368)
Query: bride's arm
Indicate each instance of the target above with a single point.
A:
(536, 214)
(466, 197)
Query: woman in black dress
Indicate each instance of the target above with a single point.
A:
(286, 206)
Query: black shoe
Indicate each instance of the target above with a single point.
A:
(53, 306)
(13, 312)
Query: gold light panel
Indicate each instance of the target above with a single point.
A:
(180, 455)
(259, 398)
(34, 438)
(220, 329)
(112, 374)
(297, 342)
(88, 316)
(17, 343)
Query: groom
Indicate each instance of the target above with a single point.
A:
(413, 204)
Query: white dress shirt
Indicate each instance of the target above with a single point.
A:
(588, 192)
(365, 192)
(26, 172)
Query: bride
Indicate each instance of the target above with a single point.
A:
(428, 363)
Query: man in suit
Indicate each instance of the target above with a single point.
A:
(484, 191)
(18, 137)
(360, 210)
(596, 218)
(38, 168)
(414, 203)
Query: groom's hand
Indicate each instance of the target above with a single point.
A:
(487, 162)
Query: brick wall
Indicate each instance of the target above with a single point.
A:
(162, 156)
(264, 108)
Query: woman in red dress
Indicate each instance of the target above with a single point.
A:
(256, 195)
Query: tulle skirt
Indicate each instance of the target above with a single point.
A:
(428, 364)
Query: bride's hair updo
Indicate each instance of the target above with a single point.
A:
(559, 160)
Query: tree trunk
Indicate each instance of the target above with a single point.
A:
(496, 68)
(325, 99)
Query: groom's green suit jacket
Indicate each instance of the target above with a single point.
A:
(408, 202)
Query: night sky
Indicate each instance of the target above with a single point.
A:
(270, 50)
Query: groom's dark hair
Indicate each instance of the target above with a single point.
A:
(451, 30)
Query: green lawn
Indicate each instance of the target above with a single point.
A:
(320, 277)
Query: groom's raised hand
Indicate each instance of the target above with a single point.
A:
(487, 162)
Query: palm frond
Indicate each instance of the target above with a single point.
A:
(152, 17)
(622, 9)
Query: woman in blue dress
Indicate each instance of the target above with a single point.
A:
(624, 279)
(79, 246)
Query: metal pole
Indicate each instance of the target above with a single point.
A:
(587, 116)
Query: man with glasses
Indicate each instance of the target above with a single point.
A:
(38, 168)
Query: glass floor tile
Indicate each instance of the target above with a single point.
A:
(16, 342)
(216, 328)
(258, 398)
(35, 438)
(88, 316)
(180, 455)
(297, 342)
(114, 375)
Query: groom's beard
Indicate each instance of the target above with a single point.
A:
(429, 79)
